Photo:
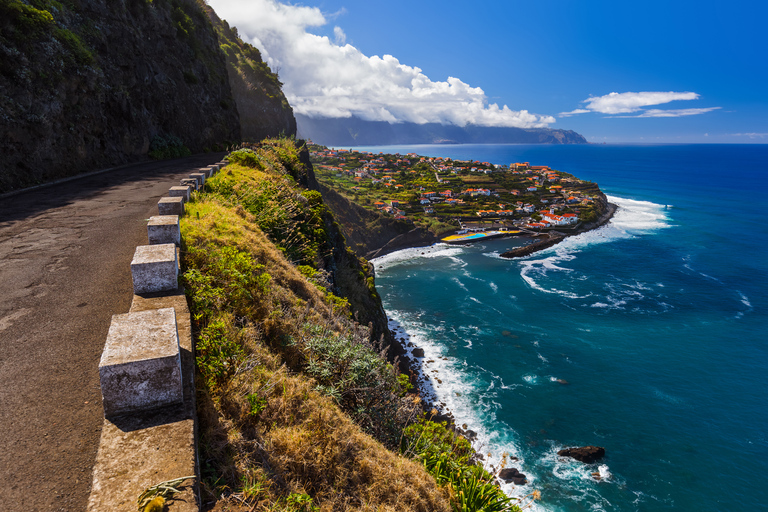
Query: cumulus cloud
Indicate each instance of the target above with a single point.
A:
(633, 102)
(324, 78)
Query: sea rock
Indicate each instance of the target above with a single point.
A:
(586, 454)
(513, 475)
(418, 352)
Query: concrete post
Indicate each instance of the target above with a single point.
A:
(164, 229)
(154, 268)
(171, 206)
(189, 182)
(180, 191)
(140, 367)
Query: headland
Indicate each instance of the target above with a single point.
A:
(389, 202)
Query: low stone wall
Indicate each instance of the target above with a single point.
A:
(147, 369)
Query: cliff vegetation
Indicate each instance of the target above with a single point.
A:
(87, 84)
(299, 408)
(91, 83)
(264, 111)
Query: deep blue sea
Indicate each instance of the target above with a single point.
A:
(647, 336)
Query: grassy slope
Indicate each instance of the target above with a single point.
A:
(269, 437)
(298, 410)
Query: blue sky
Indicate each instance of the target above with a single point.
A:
(674, 71)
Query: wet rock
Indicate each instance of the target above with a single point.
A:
(513, 475)
(418, 352)
(586, 454)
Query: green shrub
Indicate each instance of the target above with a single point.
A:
(217, 352)
(27, 20)
(163, 147)
(246, 157)
(354, 375)
(183, 23)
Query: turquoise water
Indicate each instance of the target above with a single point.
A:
(646, 336)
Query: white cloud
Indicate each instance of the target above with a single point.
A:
(751, 135)
(633, 102)
(334, 79)
(339, 36)
(625, 102)
(655, 112)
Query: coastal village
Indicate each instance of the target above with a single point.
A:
(464, 197)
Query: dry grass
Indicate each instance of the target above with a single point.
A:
(269, 440)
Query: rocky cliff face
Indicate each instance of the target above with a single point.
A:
(264, 111)
(92, 83)
(371, 234)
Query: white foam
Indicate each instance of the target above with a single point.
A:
(605, 473)
(745, 300)
(406, 255)
(638, 217)
(632, 218)
(469, 394)
(531, 379)
(461, 285)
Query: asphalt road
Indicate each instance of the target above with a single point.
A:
(65, 253)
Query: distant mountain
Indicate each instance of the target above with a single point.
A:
(358, 132)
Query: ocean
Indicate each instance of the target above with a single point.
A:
(646, 336)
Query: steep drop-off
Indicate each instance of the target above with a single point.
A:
(298, 410)
(371, 234)
(264, 111)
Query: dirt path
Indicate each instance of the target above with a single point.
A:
(65, 255)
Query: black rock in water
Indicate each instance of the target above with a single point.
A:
(513, 475)
(586, 454)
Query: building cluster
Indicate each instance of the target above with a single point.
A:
(549, 188)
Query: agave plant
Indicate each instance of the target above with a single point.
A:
(475, 495)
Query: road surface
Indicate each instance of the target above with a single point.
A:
(65, 253)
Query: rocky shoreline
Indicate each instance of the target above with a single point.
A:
(414, 356)
(555, 237)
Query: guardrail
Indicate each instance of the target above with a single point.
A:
(149, 434)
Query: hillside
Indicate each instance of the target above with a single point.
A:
(88, 84)
(264, 111)
(298, 408)
(93, 83)
(352, 131)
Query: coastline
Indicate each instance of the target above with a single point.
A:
(555, 237)
(418, 238)
(415, 358)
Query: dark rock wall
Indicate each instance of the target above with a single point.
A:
(264, 111)
(94, 84)
(371, 234)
